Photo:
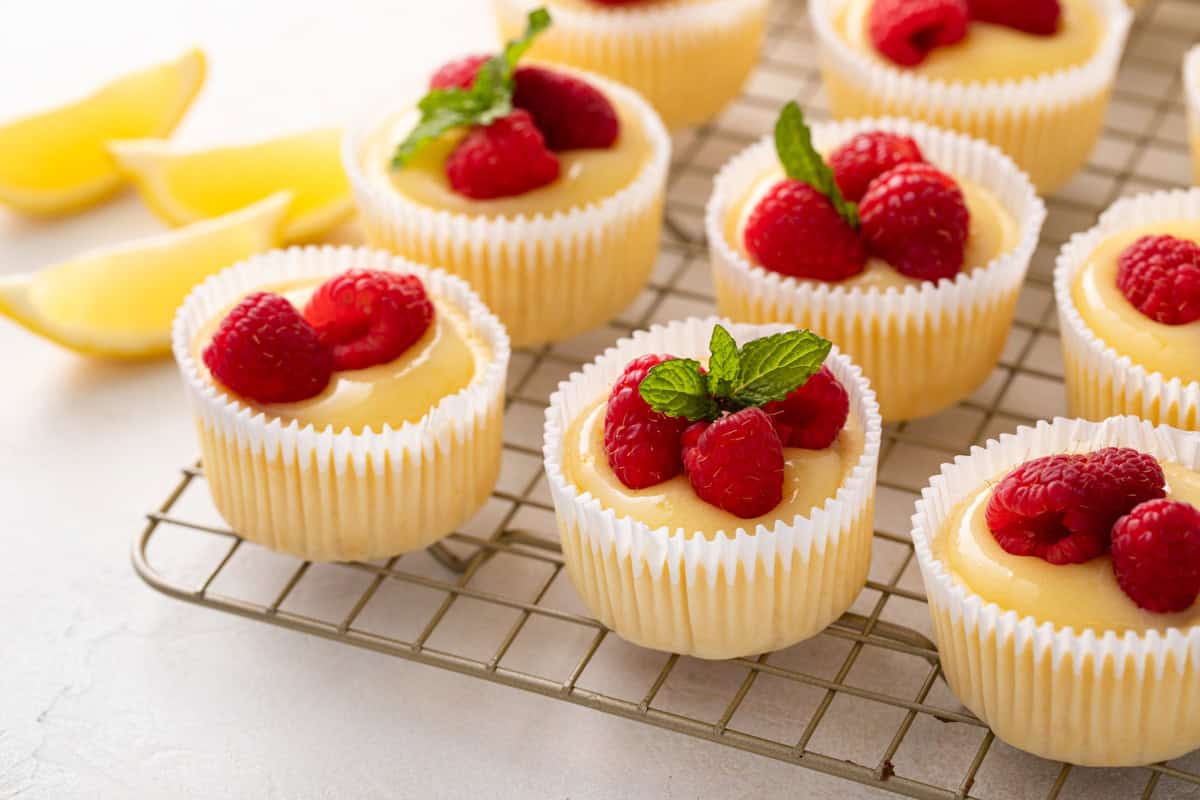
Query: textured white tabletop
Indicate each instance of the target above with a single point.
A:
(108, 689)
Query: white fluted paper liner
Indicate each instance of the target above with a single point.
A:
(923, 348)
(1101, 382)
(1191, 90)
(336, 495)
(741, 592)
(1099, 699)
(546, 277)
(1048, 124)
(689, 60)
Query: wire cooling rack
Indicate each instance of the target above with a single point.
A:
(863, 700)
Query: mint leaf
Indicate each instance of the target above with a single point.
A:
(774, 366)
(677, 388)
(802, 162)
(488, 99)
(723, 363)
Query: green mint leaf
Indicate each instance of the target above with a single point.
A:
(488, 99)
(677, 388)
(723, 363)
(774, 366)
(802, 162)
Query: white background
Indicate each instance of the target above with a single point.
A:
(109, 689)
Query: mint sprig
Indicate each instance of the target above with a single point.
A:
(762, 371)
(488, 99)
(802, 162)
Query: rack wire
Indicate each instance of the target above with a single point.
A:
(863, 700)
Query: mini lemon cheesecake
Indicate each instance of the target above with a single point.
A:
(552, 261)
(1117, 359)
(1056, 658)
(1040, 98)
(688, 58)
(372, 462)
(1080, 596)
(675, 568)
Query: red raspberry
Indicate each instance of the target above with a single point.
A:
(1039, 17)
(866, 156)
(915, 218)
(795, 230)
(1156, 555)
(906, 30)
(458, 74)
(1061, 508)
(504, 159)
(1160, 276)
(265, 351)
(368, 317)
(571, 113)
(736, 463)
(642, 445)
(813, 415)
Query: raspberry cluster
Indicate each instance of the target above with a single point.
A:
(905, 31)
(1072, 508)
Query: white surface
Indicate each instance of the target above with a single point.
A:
(109, 689)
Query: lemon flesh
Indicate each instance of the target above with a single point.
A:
(120, 301)
(57, 161)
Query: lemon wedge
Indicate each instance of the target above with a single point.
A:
(120, 301)
(187, 186)
(57, 161)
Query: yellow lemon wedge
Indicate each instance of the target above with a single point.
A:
(57, 161)
(187, 186)
(120, 301)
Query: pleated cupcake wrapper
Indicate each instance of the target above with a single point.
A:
(1191, 90)
(910, 342)
(429, 471)
(677, 590)
(688, 60)
(1102, 699)
(1048, 124)
(1101, 382)
(546, 277)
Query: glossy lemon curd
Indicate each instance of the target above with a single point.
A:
(993, 232)
(585, 176)
(442, 362)
(810, 478)
(1173, 350)
(990, 52)
(1079, 595)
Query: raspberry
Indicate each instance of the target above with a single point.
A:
(1061, 508)
(504, 159)
(813, 415)
(571, 113)
(1038, 17)
(642, 445)
(368, 317)
(736, 463)
(1156, 555)
(265, 351)
(795, 230)
(458, 74)
(1160, 276)
(866, 156)
(915, 218)
(906, 30)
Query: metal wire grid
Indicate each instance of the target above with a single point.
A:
(861, 701)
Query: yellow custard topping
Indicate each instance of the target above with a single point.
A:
(1173, 350)
(990, 52)
(585, 176)
(442, 362)
(993, 232)
(1080, 595)
(810, 478)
